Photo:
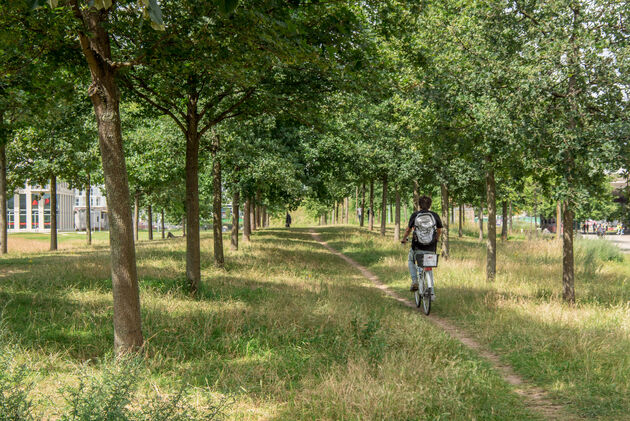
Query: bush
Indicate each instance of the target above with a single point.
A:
(111, 396)
(14, 386)
(592, 254)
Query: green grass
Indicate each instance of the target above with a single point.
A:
(580, 354)
(285, 332)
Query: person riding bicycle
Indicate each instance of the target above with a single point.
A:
(417, 247)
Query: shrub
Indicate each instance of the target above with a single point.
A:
(111, 396)
(14, 386)
(592, 254)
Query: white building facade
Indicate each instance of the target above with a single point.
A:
(28, 209)
(98, 210)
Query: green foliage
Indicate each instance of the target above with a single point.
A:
(110, 396)
(14, 387)
(592, 255)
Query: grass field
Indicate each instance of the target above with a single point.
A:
(287, 331)
(580, 354)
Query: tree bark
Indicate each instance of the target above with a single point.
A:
(217, 221)
(105, 97)
(397, 218)
(445, 222)
(252, 210)
(481, 223)
(246, 221)
(416, 195)
(361, 220)
(258, 210)
(136, 216)
(184, 225)
(336, 212)
(162, 222)
(491, 245)
(264, 216)
(150, 222)
(235, 219)
(568, 267)
(4, 226)
(346, 209)
(193, 250)
(504, 224)
(371, 218)
(510, 227)
(460, 230)
(384, 207)
(558, 219)
(88, 212)
(53, 213)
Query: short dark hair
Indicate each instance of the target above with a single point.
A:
(425, 202)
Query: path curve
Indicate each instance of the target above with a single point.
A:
(535, 398)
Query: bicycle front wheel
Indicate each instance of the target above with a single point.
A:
(425, 292)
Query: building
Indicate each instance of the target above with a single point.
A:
(28, 209)
(98, 210)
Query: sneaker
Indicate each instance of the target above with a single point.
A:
(413, 287)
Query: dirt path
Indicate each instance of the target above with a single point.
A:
(534, 397)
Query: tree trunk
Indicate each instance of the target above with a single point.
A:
(460, 230)
(252, 210)
(491, 245)
(105, 97)
(235, 219)
(416, 195)
(558, 219)
(136, 216)
(397, 218)
(362, 219)
(371, 218)
(445, 222)
(88, 212)
(193, 247)
(384, 207)
(504, 223)
(246, 221)
(162, 222)
(346, 209)
(336, 213)
(150, 221)
(264, 216)
(568, 268)
(258, 210)
(481, 223)
(53, 212)
(510, 227)
(390, 216)
(217, 221)
(184, 225)
(4, 226)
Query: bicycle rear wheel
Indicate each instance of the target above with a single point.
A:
(425, 292)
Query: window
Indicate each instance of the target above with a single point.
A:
(34, 211)
(98, 201)
(11, 213)
(46, 199)
(23, 211)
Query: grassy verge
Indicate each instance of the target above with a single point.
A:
(286, 332)
(580, 354)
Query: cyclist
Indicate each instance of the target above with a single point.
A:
(416, 246)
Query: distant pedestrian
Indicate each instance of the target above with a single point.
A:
(287, 220)
(620, 229)
(360, 214)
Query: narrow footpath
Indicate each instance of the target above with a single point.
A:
(534, 397)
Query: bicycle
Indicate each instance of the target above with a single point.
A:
(425, 262)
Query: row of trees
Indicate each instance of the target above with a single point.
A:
(269, 104)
